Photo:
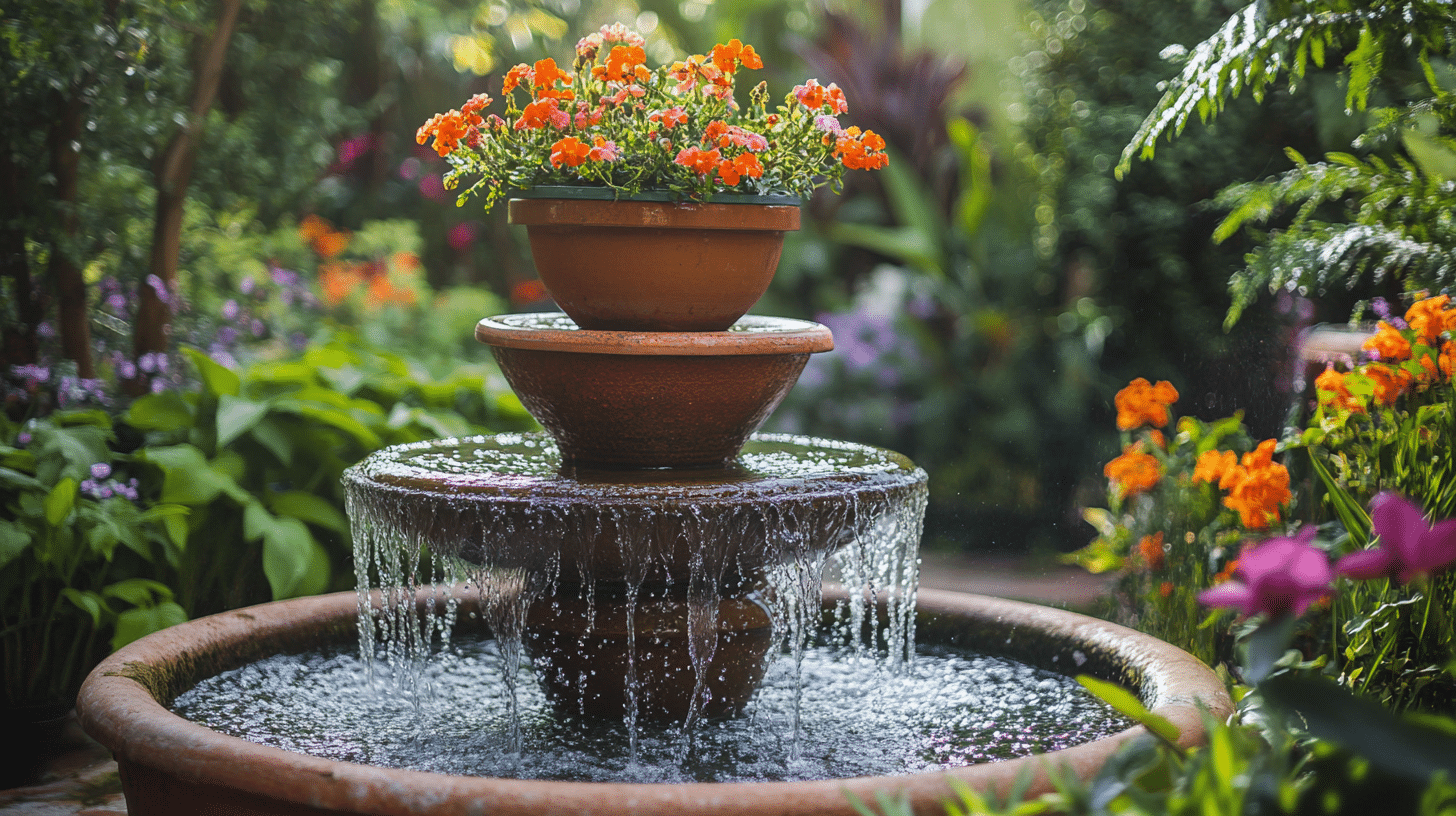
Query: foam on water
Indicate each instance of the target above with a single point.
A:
(854, 717)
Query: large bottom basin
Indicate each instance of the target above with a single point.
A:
(172, 766)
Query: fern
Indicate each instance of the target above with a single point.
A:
(1270, 39)
(1399, 223)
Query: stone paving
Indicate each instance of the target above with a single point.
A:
(83, 780)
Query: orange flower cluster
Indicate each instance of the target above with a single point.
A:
(1150, 550)
(1430, 322)
(452, 126)
(573, 152)
(1142, 403)
(814, 96)
(1257, 485)
(625, 63)
(322, 237)
(1134, 471)
(730, 170)
(338, 280)
(860, 151)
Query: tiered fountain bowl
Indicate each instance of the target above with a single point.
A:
(648, 554)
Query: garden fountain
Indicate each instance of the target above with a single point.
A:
(646, 558)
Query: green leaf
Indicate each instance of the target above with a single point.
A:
(272, 435)
(219, 379)
(138, 591)
(14, 539)
(134, 624)
(1404, 749)
(310, 508)
(1265, 646)
(60, 501)
(289, 553)
(88, 602)
(1125, 703)
(236, 416)
(164, 412)
(1365, 63)
(1435, 155)
(188, 478)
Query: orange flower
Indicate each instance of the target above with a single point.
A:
(545, 77)
(1447, 359)
(1156, 437)
(811, 94)
(1165, 589)
(569, 151)
(337, 281)
(1133, 472)
(1332, 391)
(669, 118)
(701, 161)
(1430, 318)
(1389, 344)
(746, 164)
(1214, 466)
(730, 55)
(322, 237)
(514, 77)
(1150, 550)
(541, 113)
(624, 64)
(1258, 487)
(1142, 403)
(860, 151)
(1390, 382)
(1227, 573)
(694, 68)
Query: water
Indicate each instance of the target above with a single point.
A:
(855, 717)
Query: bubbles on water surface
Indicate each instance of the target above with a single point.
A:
(857, 718)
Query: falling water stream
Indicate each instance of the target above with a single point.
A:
(455, 540)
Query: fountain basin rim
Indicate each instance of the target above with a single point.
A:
(751, 335)
(157, 749)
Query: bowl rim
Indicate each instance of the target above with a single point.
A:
(120, 712)
(750, 335)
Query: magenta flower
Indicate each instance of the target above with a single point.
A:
(1407, 546)
(1282, 576)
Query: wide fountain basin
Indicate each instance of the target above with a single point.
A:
(172, 766)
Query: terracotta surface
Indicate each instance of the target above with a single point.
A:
(171, 766)
(654, 266)
(639, 400)
(572, 519)
(580, 655)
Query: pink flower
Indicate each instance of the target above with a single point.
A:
(1280, 577)
(1408, 546)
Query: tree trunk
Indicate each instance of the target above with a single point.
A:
(65, 270)
(174, 174)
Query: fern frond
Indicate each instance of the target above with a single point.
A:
(1400, 223)
(1269, 39)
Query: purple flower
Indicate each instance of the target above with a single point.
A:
(230, 310)
(117, 302)
(227, 336)
(247, 285)
(1381, 307)
(100, 470)
(1282, 576)
(126, 370)
(284, 277)
(23, 438)
(1407, 546)
(461, 235)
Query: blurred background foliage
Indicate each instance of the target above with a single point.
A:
(989, 292)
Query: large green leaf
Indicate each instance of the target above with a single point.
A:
(291, 556)
(219, 379)
(310, 508)
(137, 623)
(60, 502)
(236, 416)
(1125, 703)
(188, 478)
(165, 412)
(69, 452)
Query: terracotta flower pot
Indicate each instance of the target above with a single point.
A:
(654, 265)
(651, 399)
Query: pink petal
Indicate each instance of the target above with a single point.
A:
(1400, 524)
(1231, 594)
(1437, 548)
(1366, 564)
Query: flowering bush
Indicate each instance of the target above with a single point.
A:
(611, 122)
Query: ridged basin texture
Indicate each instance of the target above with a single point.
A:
(172, 766)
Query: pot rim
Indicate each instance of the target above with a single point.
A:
(750, 335)
(565, 212)
(120, 712)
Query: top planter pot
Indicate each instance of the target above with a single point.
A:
(637, 265)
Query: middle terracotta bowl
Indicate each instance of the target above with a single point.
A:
(624, 400)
